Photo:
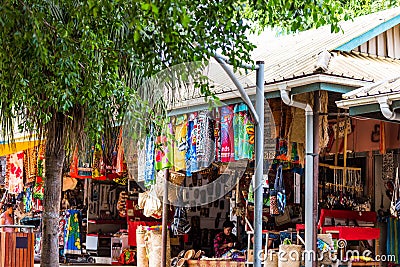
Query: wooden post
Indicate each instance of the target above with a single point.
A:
(345, 154)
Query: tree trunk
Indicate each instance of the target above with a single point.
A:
(55, 156)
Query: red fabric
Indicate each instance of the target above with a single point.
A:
(366, 216)
(132, 230)
(354, 233)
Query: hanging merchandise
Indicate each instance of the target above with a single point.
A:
(3, 171)
(181, 145)
(243, 129)
(27, 200)
(227, 136)
(382, 139)
(30, 164)
(164, 153)
(153, 205)
(205, 147)
(15, 164)
(120, 167)
(98, 167)
(279, 192)
(149, 172)
(323, 120)
(141, 163)
(72, 232)
(217, 135)
(180, 224)
(191, 156)
(395, 202)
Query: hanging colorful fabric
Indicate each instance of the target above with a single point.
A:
(15, 164)
(280, 189)
(217, 135)
(127, 256)
(30, 164)
(3, 171)
(243, 130)
(38, 190)
(205, 147)
(227, 136)
(149, 172)
(98, 168)
(120, 167)
(191, 156)
(181, 146)
(164, 152)
(72, 232)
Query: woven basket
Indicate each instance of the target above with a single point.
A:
(176, 178)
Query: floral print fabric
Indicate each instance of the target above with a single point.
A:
(180, 142)
(15, 164)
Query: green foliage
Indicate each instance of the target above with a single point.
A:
(299, 15)
(86, 59)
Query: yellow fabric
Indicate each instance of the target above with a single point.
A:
(6, 149)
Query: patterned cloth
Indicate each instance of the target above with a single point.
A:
(217, 135)
(15, 164)
(72, 233)
(149, 171)
(227, 140)
(222, 239)
(164, 152)
(180, 142)
(243, 129)
(3, 171)
(191, 155)
(205, 147)
(30, 164)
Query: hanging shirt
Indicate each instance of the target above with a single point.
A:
(149, 172)
(243, 129)
(205, 147)
(227, 145)
(191, 157)
(181, 146)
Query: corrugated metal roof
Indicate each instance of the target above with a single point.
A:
(294, 56)
(367, 95)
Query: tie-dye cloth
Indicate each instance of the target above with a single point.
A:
(243, 129)
(227, 137)
(15, 164)
(180, 142)
(205, 147)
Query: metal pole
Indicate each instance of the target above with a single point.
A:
(258, 192)
(317, 107)
(164, 228)
(309, 186)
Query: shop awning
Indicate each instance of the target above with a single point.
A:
(18, 144)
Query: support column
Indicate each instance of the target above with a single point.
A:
(259, 149)
(164, 228)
